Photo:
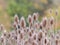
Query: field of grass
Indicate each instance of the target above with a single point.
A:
(5, 20)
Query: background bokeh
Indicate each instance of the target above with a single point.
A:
(8, 8)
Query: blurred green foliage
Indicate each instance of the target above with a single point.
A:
(20, 7)
(25, 7)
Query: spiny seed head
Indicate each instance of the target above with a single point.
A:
(44, 21)
(16, 18)
(35, 16)
(45, 41)
(50, 11)
(21, 35)
(34, 36)
(22, 22)
(57, 36)
(19, 31)
(14, 25)
(5, 32)
(2, 39)
(30, 19)
(52, 20)
(30, 33)
(1, 27)
(34, 43)
(8, 35)
(27, 30)
(15, 38)
(36, 25)
(56, 41)
(40, 35)
(32, 30)
(40, 25)
(56, 12)
(26, 42)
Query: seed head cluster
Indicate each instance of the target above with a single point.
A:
(36, 33)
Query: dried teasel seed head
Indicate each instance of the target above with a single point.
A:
(27, 30)
(34, 36)
(19, 31)
(40, 26)
(5, 32)
(35, 16)
(40, 35)
(50, 11)
(15, 37)
(22, 22)
(26, 42)
(44, 21)
(45, 41)
(14, 25)
(56, 41)
(52, 20)
(34, 43)
(56, 12)
(21, 35)
(16, 19)
(30, 34)
(1, 27)
(2, 39)
(32, 30)
(30, 20)
(57, 36)
(36, 25)
(8, 35)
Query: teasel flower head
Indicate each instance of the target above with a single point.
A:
(30, 34)
(15, 37)
(2, 39)
(34, 37)
(58, 32)
(50, 11)
(56, 12)
(45, 33)
(22, 35)
(41, 25)
(19, 31)
(2, 27)
(30, 20)
(35, 16)
(34, 43)
(22, 22)
(5, 33)
(56, 41)
(39, 36)
(27, 29)
(46, 41)
(44, 21)
(57, 36)
(32, 30)
(36, 25)
(8, 35)
(26, 42)
(15, 25)
(16, 19)
(51, 20)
